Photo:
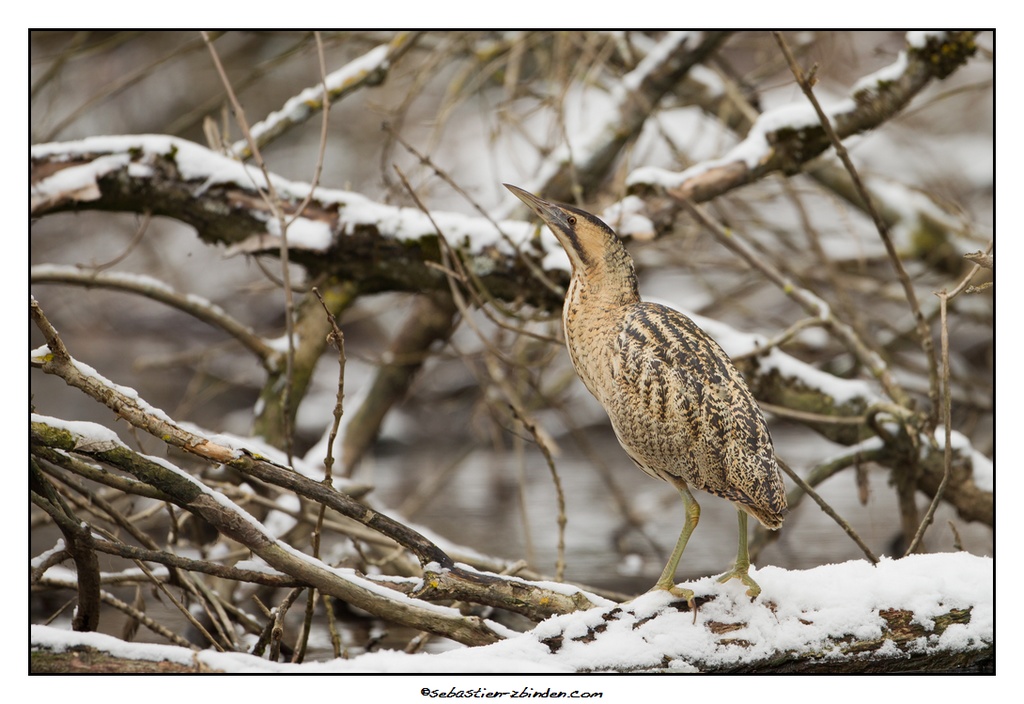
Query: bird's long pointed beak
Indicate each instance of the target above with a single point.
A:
(550, 213)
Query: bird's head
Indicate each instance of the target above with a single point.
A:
(589, 243)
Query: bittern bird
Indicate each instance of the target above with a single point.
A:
(678, 406)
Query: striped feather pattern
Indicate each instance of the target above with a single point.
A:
(678, 405)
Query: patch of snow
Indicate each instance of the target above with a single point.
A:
(45, 555)
(886, 74)
(919, 39)
(659, 53)
(88, 432)
(278, 523)
(80, 181)
(627, 218)
(304, 233)
(981, 466)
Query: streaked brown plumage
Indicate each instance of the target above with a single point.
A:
(677, 404)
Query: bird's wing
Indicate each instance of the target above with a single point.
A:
(689, 384)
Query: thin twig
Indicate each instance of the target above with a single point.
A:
(829, 511)
(780, 339)
(277, 632)
(299, 654)
(561, 519)
(147, 217)
(809, 417)
(157, 290)
(947, 396)
(530, 264)
(269, 579)
(318, 169)
(849, 310)
(311, 597)
(338, 339)
(947, 410)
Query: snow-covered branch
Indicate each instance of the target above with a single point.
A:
(376, 246)
(370, 69)
(926, 612)
(234, 522)
(787, 138)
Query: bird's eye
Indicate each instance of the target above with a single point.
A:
(572, 220)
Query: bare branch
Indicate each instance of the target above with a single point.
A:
(147, 286)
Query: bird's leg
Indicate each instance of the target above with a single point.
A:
(667, 581)
(739, 570)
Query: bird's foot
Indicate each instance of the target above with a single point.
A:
(740, 572)
(680, 593)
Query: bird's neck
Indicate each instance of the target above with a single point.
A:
(591, 319)
(593, 314)
(603, 284)
(607, 282)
